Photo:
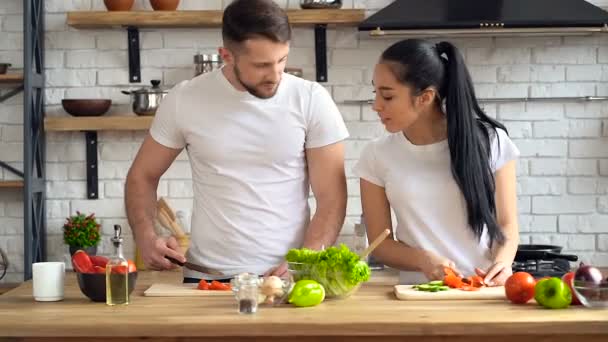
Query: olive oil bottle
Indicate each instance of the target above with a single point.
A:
(117, 273)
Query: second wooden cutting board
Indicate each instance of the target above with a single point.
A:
(406, 292)
(181, 290)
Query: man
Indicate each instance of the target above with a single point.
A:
(257, 140)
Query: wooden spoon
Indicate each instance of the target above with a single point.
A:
(375, 243)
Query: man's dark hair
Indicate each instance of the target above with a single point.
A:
(246, 19)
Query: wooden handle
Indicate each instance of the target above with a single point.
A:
(162, 204)
(174, 226)
(165, 221)
(375, 244)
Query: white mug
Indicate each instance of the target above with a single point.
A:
(48, 280)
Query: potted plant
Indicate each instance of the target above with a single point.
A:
(81, 232)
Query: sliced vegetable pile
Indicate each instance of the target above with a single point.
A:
(433, 286)
(213, 285)
(472, 283)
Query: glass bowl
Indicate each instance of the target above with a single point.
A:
(591, 295)
(336, 287)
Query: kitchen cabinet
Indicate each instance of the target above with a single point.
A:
(372, 314)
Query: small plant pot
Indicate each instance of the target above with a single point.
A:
(164, 5)
(118, 5)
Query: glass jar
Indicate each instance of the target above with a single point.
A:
(246, 290)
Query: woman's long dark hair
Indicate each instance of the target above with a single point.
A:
(422, 64)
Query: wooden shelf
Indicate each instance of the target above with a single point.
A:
(11, 184)
(98, 123)
(175, 19)
(11, 78)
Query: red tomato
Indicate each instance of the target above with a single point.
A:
(99, 269)
(567, 278)
(120, 269)
(216, 285)
(132, 267)
(99, 260)
(82, 263)
(519, 287)
(203, 285)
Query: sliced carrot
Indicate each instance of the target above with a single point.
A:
(203, 285)
(477, 281)
(470, 288)
(452, 281)
(472, 283)
(216, 285)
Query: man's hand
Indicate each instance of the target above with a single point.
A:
(154, 249)
(279, 271)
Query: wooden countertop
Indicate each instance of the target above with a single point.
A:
(372, 314)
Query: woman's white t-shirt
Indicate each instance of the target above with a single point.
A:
(428, 204)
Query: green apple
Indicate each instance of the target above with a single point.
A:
(552, 293)
(307, 293)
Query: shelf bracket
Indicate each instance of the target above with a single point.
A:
(11, 93)
(92, 166)
(134, 60)
(4, 165)
(321, 52)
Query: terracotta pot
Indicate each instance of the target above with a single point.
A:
(118, 5)
(164, 5)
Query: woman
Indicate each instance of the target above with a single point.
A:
(447, 170)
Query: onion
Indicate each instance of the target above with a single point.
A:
(588, 274)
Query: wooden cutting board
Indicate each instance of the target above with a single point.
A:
(406, 292)
(181, 290)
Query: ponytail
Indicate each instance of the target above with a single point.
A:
(469, 143)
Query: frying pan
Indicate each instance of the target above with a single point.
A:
(542, 252)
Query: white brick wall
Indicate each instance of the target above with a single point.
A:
(562, 173)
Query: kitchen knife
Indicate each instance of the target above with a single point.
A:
(195, 267)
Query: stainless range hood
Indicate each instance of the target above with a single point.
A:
(487, 17)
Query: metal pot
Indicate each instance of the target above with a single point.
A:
(309, 4)
(146, 100)
(541, 252)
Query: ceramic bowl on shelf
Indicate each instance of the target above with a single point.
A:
(118, 5)
(164, 5)
(86, 107)
(4, 68)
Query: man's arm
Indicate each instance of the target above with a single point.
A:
(328, 182)
(151, 162)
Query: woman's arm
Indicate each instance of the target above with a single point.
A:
(390, 252)
(506, 217)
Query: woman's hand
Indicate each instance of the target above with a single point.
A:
(495, 275)
(433, 266)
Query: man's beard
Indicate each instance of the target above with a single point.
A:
(253, 89)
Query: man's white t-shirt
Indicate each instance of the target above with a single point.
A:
(249, 170)
(429, 207)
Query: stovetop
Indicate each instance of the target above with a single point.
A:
(542, 268)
